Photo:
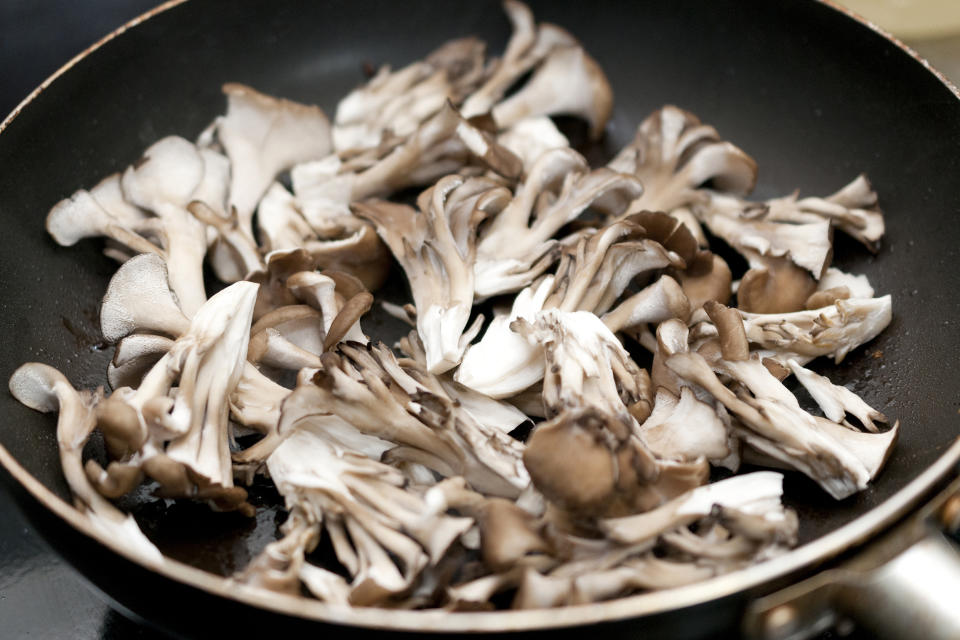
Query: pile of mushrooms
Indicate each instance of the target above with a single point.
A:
(415, 472)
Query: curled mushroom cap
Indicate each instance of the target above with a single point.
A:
(383, 535)
(571, 463)
(165, 181)
(840, 460)
(100, 211)
(853, 209)
(686, 428)
(403, 403)
(504, 363)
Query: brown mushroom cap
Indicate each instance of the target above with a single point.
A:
(507, 534)
(826, 297)
(707, 277)
(733, 337)
(569, 461)
(781, 287)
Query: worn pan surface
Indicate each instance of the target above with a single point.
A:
(813, 95)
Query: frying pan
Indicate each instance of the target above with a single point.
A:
(813, 95)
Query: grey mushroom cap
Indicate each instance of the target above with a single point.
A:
(139, 298)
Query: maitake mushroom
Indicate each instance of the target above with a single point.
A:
(542, 462)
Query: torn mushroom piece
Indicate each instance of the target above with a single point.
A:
(687, 428)
(592, 274)
(563, 78)
(382, 534)
(674, 155)
(443, 144)
(514, 247)
(45, 389)
(586, 366)
(139, 300)
(853, 210)
(404, 404)
(293, 336)
(436, 248)
(503, 363)
(833, 331)
(706, 277)
(176, 423)
(233, 254)
(599, 395)
(170, 175)
(705, 532)
(395, 103)
(774, 285)
(323, 227)
(263, 136)
(808, 245)
(531, 138)
(754, 499)
(840, 459)
(529, 44)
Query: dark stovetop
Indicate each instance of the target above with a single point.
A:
(40, 595)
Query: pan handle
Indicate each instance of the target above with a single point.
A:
(905, 586)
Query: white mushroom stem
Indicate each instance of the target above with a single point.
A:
(436, 248)
(212, 353)
(531, 138)
(660, 301)
(45, 389)
(165, 181)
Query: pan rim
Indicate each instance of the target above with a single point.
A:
(801, 558)
(796, 560)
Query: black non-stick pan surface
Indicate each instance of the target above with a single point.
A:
(814, 96)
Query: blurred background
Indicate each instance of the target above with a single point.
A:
(41, 597)
(930, 27)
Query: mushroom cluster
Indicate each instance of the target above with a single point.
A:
(529, 461)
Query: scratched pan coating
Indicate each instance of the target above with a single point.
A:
(814, 96)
